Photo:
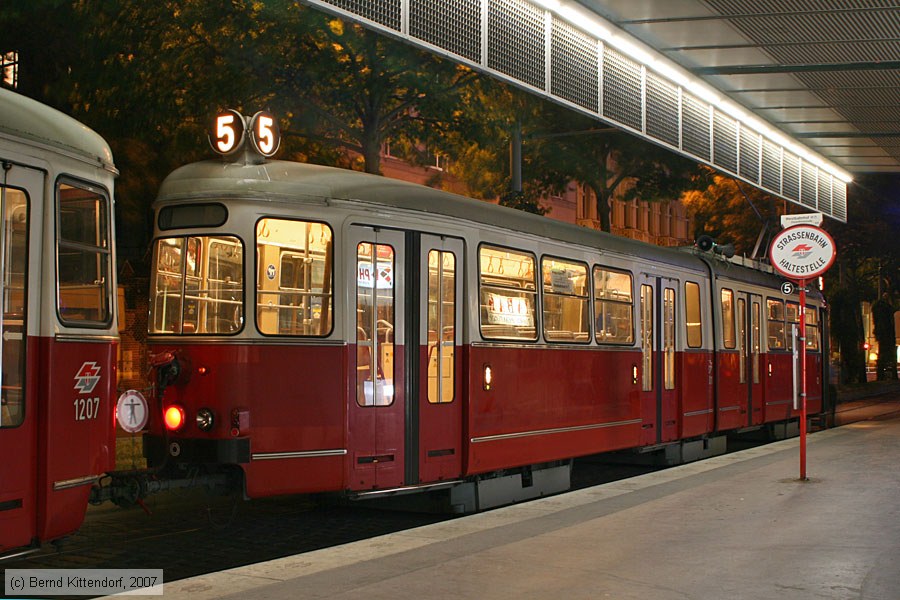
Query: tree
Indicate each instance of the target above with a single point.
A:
(146, 76)
(521, 200)
(149, 75)
(45, 61)
(357, 89)
(611, 163)
(867, 264)
(847, 332)
(480, 142)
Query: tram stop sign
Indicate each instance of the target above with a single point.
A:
(802, 252)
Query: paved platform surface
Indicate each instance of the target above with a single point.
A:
(737, 526)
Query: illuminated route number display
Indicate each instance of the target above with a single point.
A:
(229, 132)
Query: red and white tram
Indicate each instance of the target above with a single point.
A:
(326, 330)
(57, 320)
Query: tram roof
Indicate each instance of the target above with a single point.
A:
(24, 118)
(285, 181)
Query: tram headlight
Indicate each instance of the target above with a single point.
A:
(174, 417)
(488, 378)
(205, 419)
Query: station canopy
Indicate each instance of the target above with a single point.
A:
(791, 96)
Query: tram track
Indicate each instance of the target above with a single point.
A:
(190, 533)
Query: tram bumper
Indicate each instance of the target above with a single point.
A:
(159, 449)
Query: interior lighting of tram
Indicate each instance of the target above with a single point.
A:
(591, 23)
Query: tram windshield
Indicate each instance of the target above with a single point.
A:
(293, 294)
(83, 256)
(197, 285)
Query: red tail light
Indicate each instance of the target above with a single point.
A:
(174, 417)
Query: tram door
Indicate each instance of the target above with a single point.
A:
(659, 397)
(440, 292)
(748, 311)
(377, 408)
(20, 189)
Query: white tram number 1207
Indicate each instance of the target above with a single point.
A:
(86, 408)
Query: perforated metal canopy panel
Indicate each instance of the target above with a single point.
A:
(523, 43)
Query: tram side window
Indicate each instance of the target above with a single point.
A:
(754, 340)
(742, 338)
(729, 336)
(507, 293)
(775, 324)
(669, 338)
(694, 323)
(197, 286)
(646, 338)
(613, 306)
(375, 324)
(812, 329)
(83, 256)
(441, 326)
(294, 279)
(15, 277)
(791, 317)
(565, 303)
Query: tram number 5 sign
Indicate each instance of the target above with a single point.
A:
(802, 252)
(229, 131)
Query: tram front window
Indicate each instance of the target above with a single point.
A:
(198, 286)
(83, 256)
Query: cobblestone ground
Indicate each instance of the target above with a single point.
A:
(189, 534)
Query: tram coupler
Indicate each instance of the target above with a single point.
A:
(170, 369)
(127, 488)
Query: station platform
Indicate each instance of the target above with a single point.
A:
(737, 526)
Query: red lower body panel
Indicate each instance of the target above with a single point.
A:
(295, 400)
(548, 404)
(77, 430)
(308, 432)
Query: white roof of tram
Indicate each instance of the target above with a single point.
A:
(28, 120)
(292, 182)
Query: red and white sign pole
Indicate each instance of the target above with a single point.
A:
(802, 253)
(802, 341)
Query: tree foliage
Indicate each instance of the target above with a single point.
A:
(522, 200)
(609, 162)
(868, 256)
(480, 144)
(148, 76)
(847, 332)
(358, 89)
